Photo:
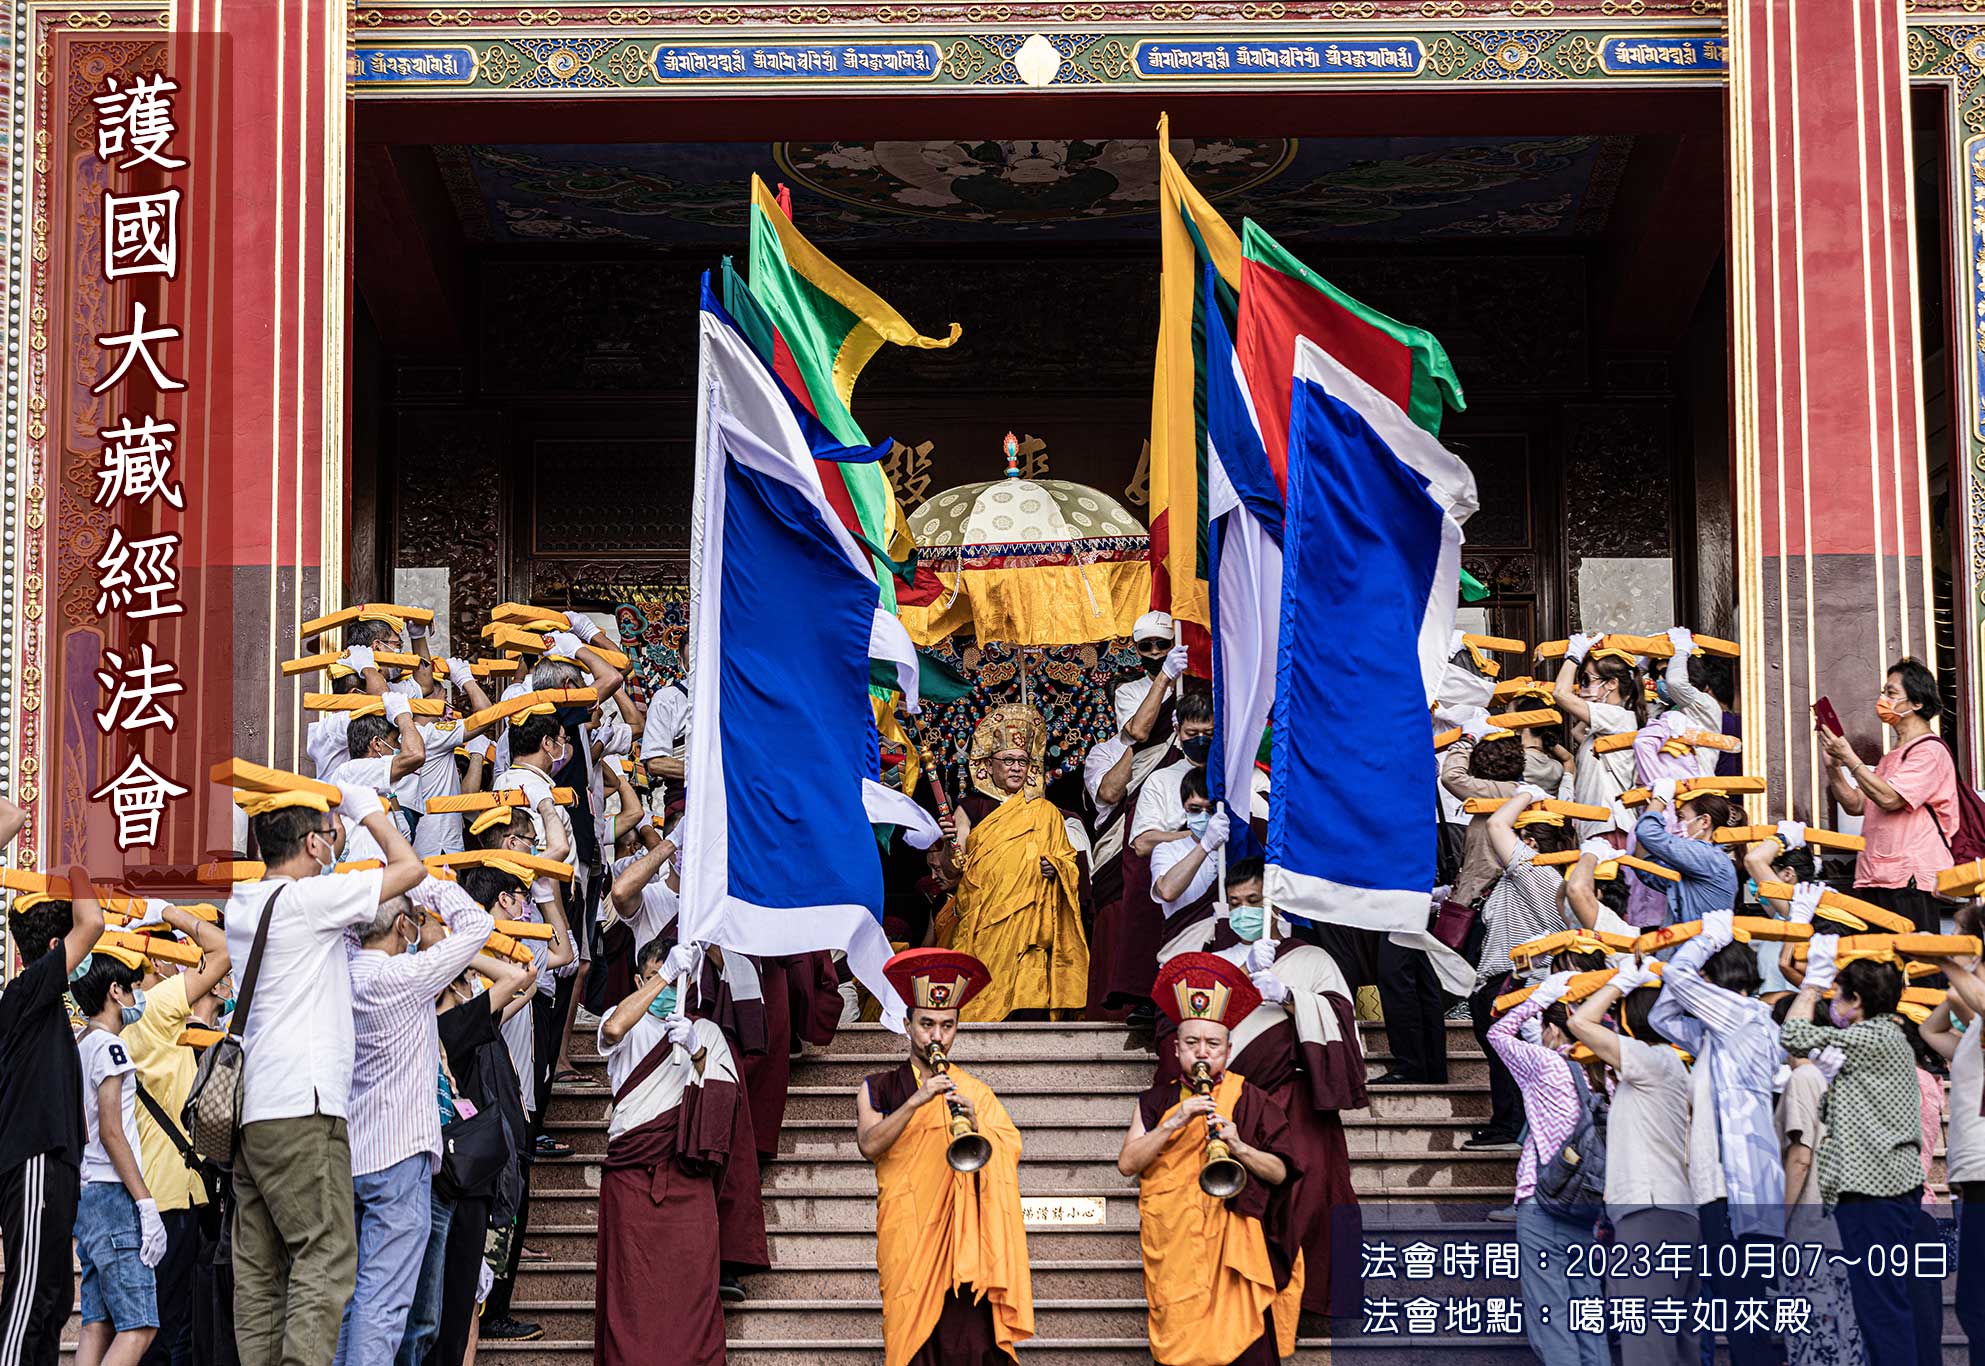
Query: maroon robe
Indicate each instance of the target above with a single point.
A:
(1122, 888)
(740, 1206)
(1144, 931)
(1313, 1082)
(658, 1226)
(1262, 1124)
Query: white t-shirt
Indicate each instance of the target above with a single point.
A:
(1165, 857)
(436, 777)
(656, 908)
(298, 1046)
(104, 1055)
(1159, 805)
(537, 788)
(1705, 1143)
(329, 741)
(1647, 1132)
(667, 725)
(1964, 1142)
(1102, 757)
(1599, 779)
(376, 774)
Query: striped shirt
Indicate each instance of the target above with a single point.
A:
(1523, 905)
(393, 1113)
(1550, 1096)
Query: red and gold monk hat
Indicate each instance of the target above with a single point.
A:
(1205, 986)
(936, 979)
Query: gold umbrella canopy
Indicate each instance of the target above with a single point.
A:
(1029, 562)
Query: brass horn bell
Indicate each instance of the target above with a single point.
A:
(968, 1150)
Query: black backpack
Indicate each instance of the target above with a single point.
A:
(1571, 1184)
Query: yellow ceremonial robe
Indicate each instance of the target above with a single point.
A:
(938, 1231)
(1025, 927)
(1207, 1278)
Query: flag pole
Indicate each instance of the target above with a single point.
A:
(1220, 858)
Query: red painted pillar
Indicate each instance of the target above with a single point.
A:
(1832, 522)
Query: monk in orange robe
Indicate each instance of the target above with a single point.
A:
(950, 1245)
(1222, 1277)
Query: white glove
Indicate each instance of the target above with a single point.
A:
(360, 658)
(1830, 1060)
(446, 899)
(584, 627)
(155, 910)
(1531, 1030)
(615, 737)
(1631, 976)
(1805, 900)
(1533, 793)
(1217, 826)
(1552, 989)
(1821, 970)
(1792, 834)
(1718, 929)
(1601, 850)
(683, 960)
(356, 801)
(1580, 645)
(1476, 728)
(482, 745)
(1663, 791)
(1261, 955)
(151, 1230)
(396, 706)
(565, 645)
(460, 674)
(1683, 639)
(1456, 642)
(1175, 661)
(680, 1031)
(1274, 991)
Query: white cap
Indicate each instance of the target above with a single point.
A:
(1152, 626)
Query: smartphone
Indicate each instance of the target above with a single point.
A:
(1828, 718)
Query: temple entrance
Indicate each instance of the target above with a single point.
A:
(525, 291)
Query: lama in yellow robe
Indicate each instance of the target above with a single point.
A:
(1025, 927)
(940, 1232)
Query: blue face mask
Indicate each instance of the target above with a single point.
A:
(136, 1010)
(1248, 922)
(663, 1005)
(1195, 821)
(1750, 889)
(89, 960)
(1661, 691)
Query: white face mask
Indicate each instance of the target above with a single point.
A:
(329, 865)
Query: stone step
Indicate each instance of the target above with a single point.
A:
(1031, 1105)
(1363, 1136)
(1371, 1174)
(854, 1279)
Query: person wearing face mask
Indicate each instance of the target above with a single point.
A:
(1870, 1162)
(386, 750)
(1017, 888)
(119, 1235)
(950, 1246)
(1599, 690)
(396, 1131)
(1183, 871)
(165, 1071)
(1907, 802)
(1708, 874)
(1158, 819)
(295, 1246)
(1222, 1278)
(1954, 1031)
(1527, 902)
(1301, 1046)
(675, 1093)
(1708, 1007)
(1553, 1103)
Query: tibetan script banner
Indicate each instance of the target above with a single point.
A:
(1343, 57)
(797, 61)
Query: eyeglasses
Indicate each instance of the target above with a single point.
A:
(1011, 760)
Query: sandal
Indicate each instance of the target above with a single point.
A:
(568, 1075)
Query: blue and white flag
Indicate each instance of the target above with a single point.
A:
(778, 855)
(1371, 570)
(1244, 542)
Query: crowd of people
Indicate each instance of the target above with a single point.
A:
(1682, 1046)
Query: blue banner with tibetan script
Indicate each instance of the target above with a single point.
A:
(796, 62)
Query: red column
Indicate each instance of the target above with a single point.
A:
(1832, 522)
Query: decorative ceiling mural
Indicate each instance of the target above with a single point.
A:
(1317, 189)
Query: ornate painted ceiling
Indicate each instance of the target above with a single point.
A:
(1350, 189)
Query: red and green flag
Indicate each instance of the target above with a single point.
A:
(1283, 299)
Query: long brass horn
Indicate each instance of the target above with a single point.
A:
(968, 1150)
(1221, 1175)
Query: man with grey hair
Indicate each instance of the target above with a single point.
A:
(396, 1126)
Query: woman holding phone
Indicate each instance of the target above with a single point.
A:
(1907, 801)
